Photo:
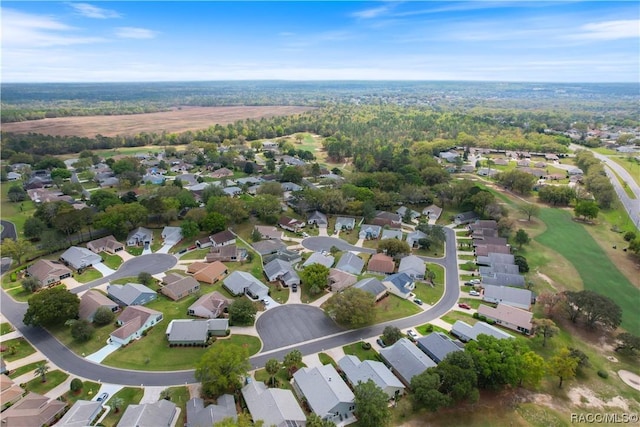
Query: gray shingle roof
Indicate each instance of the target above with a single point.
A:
(78, 257)
(274, 406)
(507, 295)
(128, 293)
(357, 371)
(503, 279)
(437, 346)
(463, 329)
(371, 285)
(406, 359)
(318, 258)
(238, 281)
(412, 265)
(350, 263)
(158, 414)
(199, 416)
(323, 388)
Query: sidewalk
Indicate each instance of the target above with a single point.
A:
(10, 336)
(321, 300)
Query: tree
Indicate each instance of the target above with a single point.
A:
(522, 238)
(16, 193)
(103, 316)
(60, 173)
(116, 403)
(242, 420)
(81, 330)
(426, 391)
(394, 247)
(481, 200)
(189, 229)
(459, 380)
(272, 367)
(51, 307)
(102, 199)
(629, 236)
(265, 205)
(545, 327)
(533, 369)
(627, 343)
(16, 249)
(352, 307)
(521, 262)
(314, 277)
(292, 361)
(596, 309)
(33, 228)
(291, 174)
(314, 420)
(271, 187)
(242, 312)
(391, 334)
(213, 223)
(372, 409)
(222, 370)
(529, 209)
(563, 366)
(587, 209)
(145, 278)
(496, 361)
(166, 394)
(41, 370)
(30, 284)
(76, 385)
(551, 303)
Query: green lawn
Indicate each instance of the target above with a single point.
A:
(111, 261)
(474, 303)
(180, 396)
(89, 275)
(427, 293)
(325, 359)
(5, 328)
(134, 250)
(630, 165)
(24, 369)
(99, 339)
(454, 315)
(17, 348)
(467, 257)
(282, 378)
(85, 393)
(356, 349)
(393, 307)
(15, 212)
(54, 379)
(196, 254)
(129, 395)
(596, 270)
(427, 328)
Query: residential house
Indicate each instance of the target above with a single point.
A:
(195, 332)
(131, 294)
(79, 258)
(91, 301)
(325, 391)
(466, 332)
(187, 179)
(290, 186)
(232, 191)
(318, 218)
(350, 263)
(223, 238)
(406, 360)
(465, 218)
(10, 392)
(550, 156)
(576, 171)
(134, 320)
(287, 255)
(177, 287)
(318, 258)
(13, 176)
(399, 284)
(33, 410)
(372, 286)
(413, 238)
(209, 306)
(221, 173)
(509, 317)
(391, 219)
(519, 298)
(437, 346)
(449, 156)
(208, 272)
(82, 413)
(283, 271)
(402, 211)
(413, 266)
(39, 179)
(140, 236)
(495, 258)
(204, 242)
(228, 253)
(200, 416)
(381, 263)
(484, 250)
(171, 235)
(488, 240)
(274, 406)
(48, 272)
(269, 145)
(390, 233)
(501, 162)
(344, 223)
(290, 224)
(240, 283)
(497, 267)
(107, 244)
(250, 180)
(292, 161)
(154, 178)
(266, 247)
(268, 232)
(157, 414)
(483, 223)
(503, 279)
(339, 280)
(362, 371)
(433, 212)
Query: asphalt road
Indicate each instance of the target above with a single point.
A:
(68, 361)
(8, 230)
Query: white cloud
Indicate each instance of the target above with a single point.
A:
(135, 33)
(91, 11)
(609, 30)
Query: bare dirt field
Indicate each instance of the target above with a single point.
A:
(176, 120)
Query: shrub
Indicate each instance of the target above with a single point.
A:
(629, 236)
(76, 384)
(103, 316)
(14, 276)
(366, 345)
(603, 374)
(476, 315)
(429, 327)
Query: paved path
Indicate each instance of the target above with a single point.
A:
(8, 230)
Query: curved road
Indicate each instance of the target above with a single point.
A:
(68, 361)
(8, 230)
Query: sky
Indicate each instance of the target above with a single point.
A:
(531, 41)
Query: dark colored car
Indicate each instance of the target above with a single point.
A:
(464, 305)
(103, 397)
(381, 343)
(418, 301)
(294, 288)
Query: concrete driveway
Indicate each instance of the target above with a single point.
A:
(270, 303)
(102, 268)
(101, 354)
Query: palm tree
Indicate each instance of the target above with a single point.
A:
(165, 394)
(272, 367)
(42, 370)
(116, 403)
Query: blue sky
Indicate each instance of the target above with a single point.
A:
(102, 41)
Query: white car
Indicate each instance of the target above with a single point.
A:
(412, 333)
(475, 281)
(474, 293)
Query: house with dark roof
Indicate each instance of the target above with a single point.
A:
(372, 286)
(274, 406)
(484, 250)
(317, 218)
(350, 263)
(266, 247)
(48, 272)
(208, 272)
(381, 263)
(339, 280)
(195, 332)
(432, 211)
(437, 346)
(318, 258)
(107, 244)
(286, 255)
(282, 271)
(406, 360)
(82, 413)
(133, 321)
(228, 253)
(139, 237)
(79, 258)
(483, 223)
(91, 301)
(391, 219)
(465, 217)
(209, 306)
(240, 283)
(504, 279)
(33, 410)
(268, 232)
(466, 332)
(413, 266)
(131, 294)
(325, 391)
(157, 414)
(402, 211)
(200, 416)
(509, 317)
(362, 371)
(494, 257)
(223, 238)
(290, 224)
(519, 298)
(399, 284)
(177, 287)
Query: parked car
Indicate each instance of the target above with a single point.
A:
(294, 288)
(464, 305)
(265, 302)
(417, 301)
(381, 343)
(412, 335)
(474, 293)
(103, 397)
(475, 281)
(305, 234)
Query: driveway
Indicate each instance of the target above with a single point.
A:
(165, 248)
(101, 354)
(270, 303)
(106, 271)
(321, 243)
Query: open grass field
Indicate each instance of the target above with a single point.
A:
(15, 212)
(596, 270)
(176, 120)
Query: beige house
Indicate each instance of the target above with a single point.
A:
(32, 410)
(509, 317)
(208, 272)
(107, 244)
(48, 272)
(177, 287)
